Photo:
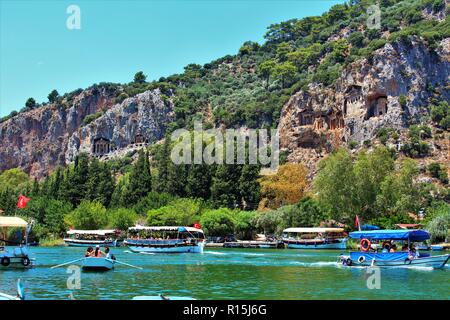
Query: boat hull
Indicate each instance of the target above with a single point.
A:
(83, 243)
(155, 248)
(97, 264)
(15, 257)
(341, 245)
(435, 262)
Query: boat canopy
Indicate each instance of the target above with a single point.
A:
(313, 230)
(93, 232)
(12, 222)
(165, 228)
(412, 235)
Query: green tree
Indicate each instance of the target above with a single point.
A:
(30, 103)
(245, 224)
(12, 178)
(285, 72)
(153, 200)
(53, 96)
(180, 212)
(249, 188)
(334, 184)
(89, 215)
(140, 77)
(122, 218)
(265, 70)
(219, 222)
(140, 180)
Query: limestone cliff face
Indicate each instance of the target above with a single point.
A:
(38, 140)
(137, 120)
(389, 90)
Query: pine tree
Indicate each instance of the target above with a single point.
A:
(35, 189)
(225, 186)
(93, 181)
(162, 159)
(106, 185)
(198, 184)
(140, 180)
(249, 187)
(55, 184)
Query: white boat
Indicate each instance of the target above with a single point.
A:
(91, 238)
(405, 258)
(97, 264)
(314, 238)
(19, 296)
(166, 239)
(18, 255)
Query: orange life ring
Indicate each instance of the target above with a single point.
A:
(365, 244)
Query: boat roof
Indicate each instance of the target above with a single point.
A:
(12, 222)
(95, 232)
(403, 234)
(165, 228)
(313, 230)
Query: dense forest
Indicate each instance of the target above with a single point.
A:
(378, 183)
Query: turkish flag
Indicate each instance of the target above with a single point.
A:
(22, 203)
(357, 221)
(197, 226)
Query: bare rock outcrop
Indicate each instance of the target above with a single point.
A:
(38, 140)
(390, 89)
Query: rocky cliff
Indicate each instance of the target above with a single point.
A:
(392, 89)
(38, 140)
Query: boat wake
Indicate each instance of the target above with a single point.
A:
(149, 253)
(215, 252)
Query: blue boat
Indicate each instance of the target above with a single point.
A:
(314, 238)
(370, 257)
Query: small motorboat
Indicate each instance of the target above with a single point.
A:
(369, 257)
(97, 264)
(437, 248)
(19, 296)
(17, 255)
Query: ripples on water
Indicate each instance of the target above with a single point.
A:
(226, 274)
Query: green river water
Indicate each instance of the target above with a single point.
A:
(224, 274)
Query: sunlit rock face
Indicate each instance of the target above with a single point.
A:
(39, 140)
(391, 89)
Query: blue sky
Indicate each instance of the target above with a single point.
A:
(39, 53)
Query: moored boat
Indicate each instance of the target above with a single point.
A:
(91, 238)
(97, 264)
(408, 256)
(18, 254)
(165, 239)
(314, 238)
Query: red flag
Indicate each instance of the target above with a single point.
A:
(357, 221)
(22, 203)
(197, 226)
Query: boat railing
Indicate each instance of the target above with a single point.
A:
(155, 241)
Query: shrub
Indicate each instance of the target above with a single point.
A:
(436, 171)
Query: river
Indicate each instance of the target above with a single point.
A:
(225, 274)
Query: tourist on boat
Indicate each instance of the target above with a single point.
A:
(405, 248)
(108, 254)
(393, 248)
(98, 253)
(89, 252)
